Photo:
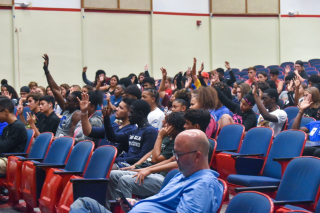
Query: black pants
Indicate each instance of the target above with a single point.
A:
(311, 151)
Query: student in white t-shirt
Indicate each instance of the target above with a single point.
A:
(156, 116)
(270, 115)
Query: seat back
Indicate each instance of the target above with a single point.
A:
(41, 145)
(287, 144)
(168, 177)
(292, 112)
(230, 137)
(80, 156)
(258, 140)
(259, 66)
(59, 150)
(304, 121)
(25, 110)
(30, 133)
(250, 201)
(284, 64)
(101, 162)
(301, 180)
(225, 189)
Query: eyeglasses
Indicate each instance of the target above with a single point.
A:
(177, 155)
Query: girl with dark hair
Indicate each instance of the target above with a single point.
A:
(109, 88)
(10, 92)
(156, 116)
(263, 76)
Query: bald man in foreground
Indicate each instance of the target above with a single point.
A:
(194, 189)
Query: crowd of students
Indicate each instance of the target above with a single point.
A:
(158, 122)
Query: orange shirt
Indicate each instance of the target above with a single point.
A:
(250, 82)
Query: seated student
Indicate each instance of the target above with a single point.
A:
(75, 88)
(71, 111)
(100, 74)
(149, 82)
(41, 90)
(109, 88)
(132, 91)
(88, 105)
(117, 97)
(242, 90)
(206, 98)
(33, 86)
(234, 90)
(287, 81)
(156, 116)
(243, 113)
(195, 189)
(10, 93)
(85, 89)
(227, 81)
(274, 73)
(313, 79)
(24, 92)
(299, 69)
(161, 151)
(183, 94)
(14, 136)
(311, 94)
(262, 76)
(221, 110)
(180, 105)
(270, 115)
(137, 142)
(252, 72)
(33, 100)
(291, 92)
(51, 121)
(195, 119)
(312, 128)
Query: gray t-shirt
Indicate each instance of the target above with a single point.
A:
(95, 121)
(65, 124)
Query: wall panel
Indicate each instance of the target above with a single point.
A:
(135, 4)
(245, 41)
(228, 6)
(56, 33)
(119, 43)
(262, 6)
(6, 46)
(177, 39)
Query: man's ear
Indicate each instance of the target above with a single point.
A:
(184, 108)
(197, 126)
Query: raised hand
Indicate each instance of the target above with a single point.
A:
(46, 61)
(255, 88)
(85, 69)
(304, 104)
(164, 72)
(106, 111)
(188, 83)
(84, 103)
(297, 82)
(7, 94)
(227, 64)
(146, 67)
(30, 118)
(201, 67)
(290, 86)
(194, 60)
(215, 77)
(20, 110)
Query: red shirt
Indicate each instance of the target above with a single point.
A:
(251, 82)
(168, 92)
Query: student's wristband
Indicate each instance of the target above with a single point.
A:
(84, 113)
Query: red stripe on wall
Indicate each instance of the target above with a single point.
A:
(245, 15)
(116, 11)
(181, 14)
(48, 9)
(302, 16)
(6, 8)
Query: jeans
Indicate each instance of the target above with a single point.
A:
(87, 205)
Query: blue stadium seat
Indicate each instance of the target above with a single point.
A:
(245, 77)
(25, 110)
(259, 66)
(312, 72)
(273, 66)
(263, 69)
(250, 201)
(292, 112)
(292, 141)
(304, 121)
(242, 73)
(310, 68)
(226, 160)
(314, 61)
(99, 113)
(284, 64)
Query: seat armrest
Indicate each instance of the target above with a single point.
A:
(113, 202)
(225, 150)
(258, 188)
(283, 162)
(246, 155)
(67, 173)
(27, 159)
(292, 202)
(43, 165)
(15, 154)
(282, 159)
(91, 180)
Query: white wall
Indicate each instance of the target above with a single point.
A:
(303, 7)
(181, 6)
(52, 3)
(6, 46)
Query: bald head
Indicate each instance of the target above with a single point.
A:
(194, 139)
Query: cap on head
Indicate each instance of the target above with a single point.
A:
(25, 89)
(205, 75)
(299, 62)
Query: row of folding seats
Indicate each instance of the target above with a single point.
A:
(48, 177)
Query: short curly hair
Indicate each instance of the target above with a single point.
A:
(133, 90)
(177, 120)
(198, 116)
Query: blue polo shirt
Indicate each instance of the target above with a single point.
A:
(314, 130)
(115, 101)
(200, 192)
